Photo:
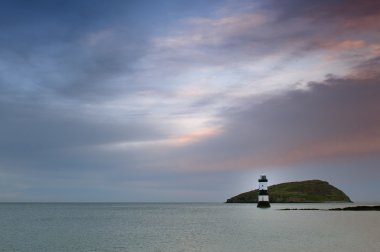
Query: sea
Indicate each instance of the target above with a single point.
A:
(169, 227)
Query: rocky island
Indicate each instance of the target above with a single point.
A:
(309, 191)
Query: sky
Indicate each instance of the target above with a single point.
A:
(187, 101)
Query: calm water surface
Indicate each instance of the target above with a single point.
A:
(184, 227)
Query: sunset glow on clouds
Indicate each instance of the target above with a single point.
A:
(138, 101)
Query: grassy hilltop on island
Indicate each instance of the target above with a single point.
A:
(309, 191)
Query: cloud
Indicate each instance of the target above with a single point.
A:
(39, 137)
(333, 119)
(68, 52)
(272, 28)
(116, 96)
(263, 48)
(345, 45)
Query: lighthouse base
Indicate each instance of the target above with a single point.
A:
(263, 204)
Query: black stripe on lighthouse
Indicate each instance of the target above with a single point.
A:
(263, 192)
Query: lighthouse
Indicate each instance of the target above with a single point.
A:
(263, 200)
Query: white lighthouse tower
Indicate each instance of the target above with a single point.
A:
(263, 200)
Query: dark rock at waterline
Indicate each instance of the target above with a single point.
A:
(355, 208)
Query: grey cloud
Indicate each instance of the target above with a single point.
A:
(56, 57)
(325, 9)
(332, 119)
(289, 31)
(35, 136)
(69, 49)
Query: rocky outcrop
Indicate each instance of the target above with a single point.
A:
(309, 191)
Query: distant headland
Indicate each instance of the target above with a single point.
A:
(309, 191)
